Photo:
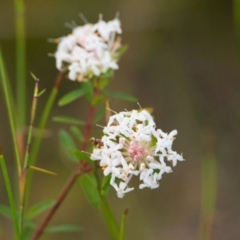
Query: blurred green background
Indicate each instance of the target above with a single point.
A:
(183, 61)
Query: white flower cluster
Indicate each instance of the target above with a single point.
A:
(89, 50)
(132, 145)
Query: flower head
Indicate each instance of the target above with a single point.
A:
(132, 146)
(90, 50)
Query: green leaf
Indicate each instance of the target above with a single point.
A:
(105, 185)
(68, 144)
(39, 208)
(5, 211)
(103, 82)
(90, 188)
(120, 95)
(41, 92)
(64, 228)
(72, 96)
(83, 156)
(97, 100)
(107, 74)
(88, 88)
(68, 120)
(29, 227)
(120, 51)
(77, 133)
(99, 114)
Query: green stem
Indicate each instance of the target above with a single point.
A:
(44, 118)
(10, 196)
(22, 179)
(123, 224)
(106, 211)
(10, 110)
(43, 122)
(21, 61)
(109, 219)
(82, 168)
(32, 118)
(209, 189)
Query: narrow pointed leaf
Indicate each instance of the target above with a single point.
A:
(103, 83)
(120, 51)
(5, 211)
(14, 213)
(82, 156)
(41, 92)
(68, 145)
(88, 88)
(105, 185)
(99, 115)
(97, 100)
(90, 188)
(77, 133)
(120, 95)
(39, 208)
(108, 74)
(72, 96)
(64, 228)
(43, 170)
(29, 227)
(68, 120)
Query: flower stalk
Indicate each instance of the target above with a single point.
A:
(43, 121)
(22, 179)
(81, 169)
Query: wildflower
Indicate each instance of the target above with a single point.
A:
(132, 146)
(90, 50)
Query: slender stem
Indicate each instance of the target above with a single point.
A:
(19, 7)
(109, 218)
(209, 188)
(39, 231)
(43, 122)
(21, 61)
(106, 211)
(44, 118)
(10, 109)
(10, 195)
(22, 179)
(82, 168)
(123, 224)
(88, 128)
(32, 118)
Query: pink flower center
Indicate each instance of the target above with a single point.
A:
(136, 151)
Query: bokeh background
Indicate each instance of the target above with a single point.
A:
(183, 61)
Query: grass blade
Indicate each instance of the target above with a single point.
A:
(10, 196)
(10, 110)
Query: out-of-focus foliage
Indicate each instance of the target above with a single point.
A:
(182, 60)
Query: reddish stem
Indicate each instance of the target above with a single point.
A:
(59, 200)
(21, 144)
(88, 128)
(82, 168)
